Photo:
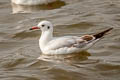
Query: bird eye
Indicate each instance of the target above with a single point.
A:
(48, 27)
(43, 25)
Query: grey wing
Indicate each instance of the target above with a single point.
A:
(60, 43)
(80, 44)
(84, 40)
(69, 41)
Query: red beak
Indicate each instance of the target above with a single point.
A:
(34, 27)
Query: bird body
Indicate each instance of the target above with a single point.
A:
(32, 2)
(65, 44)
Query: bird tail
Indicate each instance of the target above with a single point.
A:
(101, 34)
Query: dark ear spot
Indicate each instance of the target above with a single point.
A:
(48, 27)
(43, 25)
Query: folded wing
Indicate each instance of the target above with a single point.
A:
(69, 41)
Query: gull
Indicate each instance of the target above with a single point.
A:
(66, 44)
(32, 2)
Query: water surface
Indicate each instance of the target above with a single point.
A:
(19, 47)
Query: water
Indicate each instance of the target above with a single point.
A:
(19, 47)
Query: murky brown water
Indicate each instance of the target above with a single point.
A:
(19, 48)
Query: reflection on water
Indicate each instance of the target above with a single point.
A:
(19, 48)
(66, 57)
(30, 9)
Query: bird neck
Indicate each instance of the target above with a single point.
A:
(45, 38)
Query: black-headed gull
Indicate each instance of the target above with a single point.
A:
(32, 2)
(66, 44)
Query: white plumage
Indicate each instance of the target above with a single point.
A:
(66, 44)
(32, 2)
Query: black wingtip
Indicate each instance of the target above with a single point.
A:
(101, 34)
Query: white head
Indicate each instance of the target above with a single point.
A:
(44, 26)
(47, 33)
